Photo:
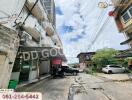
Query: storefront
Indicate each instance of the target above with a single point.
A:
(25, 70)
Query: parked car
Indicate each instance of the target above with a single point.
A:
(70, 70)
(81, 70)
(113, 69)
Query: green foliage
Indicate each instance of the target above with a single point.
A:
(128, 58)
(104, 57)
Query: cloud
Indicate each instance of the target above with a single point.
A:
(66, 28)
(78, 37)
(58, 11)
(78, 23)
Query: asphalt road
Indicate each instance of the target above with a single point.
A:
(51, 89)
(94, 88)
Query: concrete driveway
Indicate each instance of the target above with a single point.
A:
(98, 88)
(116, 77)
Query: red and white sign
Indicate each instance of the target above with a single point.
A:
(56, 61)
(111, 13)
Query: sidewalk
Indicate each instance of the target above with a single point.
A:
(33, 81)
(116, 77)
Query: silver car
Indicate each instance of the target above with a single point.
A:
(113, 69)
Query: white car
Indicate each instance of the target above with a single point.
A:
(113, 69)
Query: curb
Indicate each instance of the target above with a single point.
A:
(33, 82)
(117, 80)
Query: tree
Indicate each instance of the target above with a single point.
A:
(104, 57)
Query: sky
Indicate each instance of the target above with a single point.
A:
(84, 27)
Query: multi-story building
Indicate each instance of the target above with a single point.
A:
(123, 18)
(50, 7)
(26, 31)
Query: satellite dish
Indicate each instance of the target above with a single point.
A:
(102, 4)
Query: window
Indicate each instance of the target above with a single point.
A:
(129, 35)
(17, 65)
(125, 16)
(130, 11)
(47, 3)
(47, 0)
(87, 57)
(48, 7)
(49, 11)
(115, 66)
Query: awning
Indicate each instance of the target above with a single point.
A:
(127, 41)
(43, 52)
(56, 61)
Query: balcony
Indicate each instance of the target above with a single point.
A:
(37, 11)
(33, 32)
(48, 27)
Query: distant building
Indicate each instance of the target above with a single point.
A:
(85, 59)
(123, 18)
(50, 7)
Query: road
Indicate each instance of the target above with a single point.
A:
(99, 88)
(51, 89)
(94, 88)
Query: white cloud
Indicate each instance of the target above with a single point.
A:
(86, 19)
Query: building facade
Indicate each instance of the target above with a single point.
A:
(50, 8)
(85, 59)
(123, 18)
(26, 31)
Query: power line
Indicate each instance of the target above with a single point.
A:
(99, 32)
(99, 28)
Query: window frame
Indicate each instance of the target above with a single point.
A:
(125, 21)
(128, 12)
(115, 66)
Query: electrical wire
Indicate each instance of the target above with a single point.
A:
(98, 32)
(30, 11)
(100, 18)
(20, 13)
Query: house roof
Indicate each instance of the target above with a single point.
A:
(124, 54)
(85, 53)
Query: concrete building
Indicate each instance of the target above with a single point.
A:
(85, 59)
(50, 7)
(9, 38)
(123, 18)
(31, 32)
(8, 49)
